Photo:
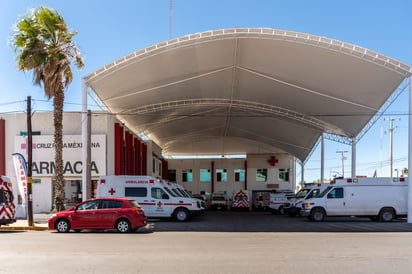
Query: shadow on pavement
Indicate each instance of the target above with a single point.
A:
(227, 221)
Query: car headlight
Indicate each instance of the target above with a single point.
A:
(307, 205)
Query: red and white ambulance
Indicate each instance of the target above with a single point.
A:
(240, 201)
(7, 207)
(158, 198)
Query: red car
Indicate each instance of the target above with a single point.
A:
(125, 215)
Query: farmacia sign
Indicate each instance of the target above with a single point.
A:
(43, 154)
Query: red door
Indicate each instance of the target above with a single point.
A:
(86, 216)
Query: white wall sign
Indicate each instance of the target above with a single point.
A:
(43, 154)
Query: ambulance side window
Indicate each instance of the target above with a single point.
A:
(170, 192)
(336, 193)
(158, 193)
(314, 193)
(135, 192)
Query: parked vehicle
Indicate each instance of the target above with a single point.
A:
(125, 215)
(261, 200)
(240, 201)
(293, 206)
(378, 198)
(157, 198)
(7, 207)
(278, 199)
(202, 198)
(218, 201)
(182, 192)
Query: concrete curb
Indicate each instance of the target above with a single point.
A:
(38, 228)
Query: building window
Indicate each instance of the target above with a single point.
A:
(171, 175)
(261, 175)
(239, 175)
(284, 175)
(221, 175)
(187, 175)
(205, 176)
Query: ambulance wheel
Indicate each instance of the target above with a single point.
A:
(123, 226)
(281, 210)
(317, 214)
(386, 215)
(63, 226)
(181, 215)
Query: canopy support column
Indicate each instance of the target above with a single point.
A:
(353, 172)
(410, 152)
(85, 160)
(322, 159)
(302, 173)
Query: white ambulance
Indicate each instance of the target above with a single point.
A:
(278, 199)
(157, 198)
(378, 198)
(293, 206)
(7, 207)
(180, 191)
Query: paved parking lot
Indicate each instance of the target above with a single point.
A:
(228, 221)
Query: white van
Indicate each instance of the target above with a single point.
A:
(293, 206)
(157, 198)
(378, 198)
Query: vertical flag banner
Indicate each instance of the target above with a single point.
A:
(21, 175)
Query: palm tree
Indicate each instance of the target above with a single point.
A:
(44, 45)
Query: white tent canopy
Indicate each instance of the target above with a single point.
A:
(247, 90)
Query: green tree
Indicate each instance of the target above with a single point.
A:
(44, 45)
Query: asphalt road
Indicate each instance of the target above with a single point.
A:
(205, 252)
(204, 246)
(228, 221)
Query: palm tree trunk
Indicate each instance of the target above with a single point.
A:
(58, 189)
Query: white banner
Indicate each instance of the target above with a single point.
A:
(21, 175)
(43, 154)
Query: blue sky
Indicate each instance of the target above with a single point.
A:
(108, 30)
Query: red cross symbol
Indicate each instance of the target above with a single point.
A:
(112, 191)
(273, 161)
(159, 204)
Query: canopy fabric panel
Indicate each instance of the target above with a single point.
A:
(247, 90)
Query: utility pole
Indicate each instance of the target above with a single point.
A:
(29, 164)
(343, 158)
(391, 129)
